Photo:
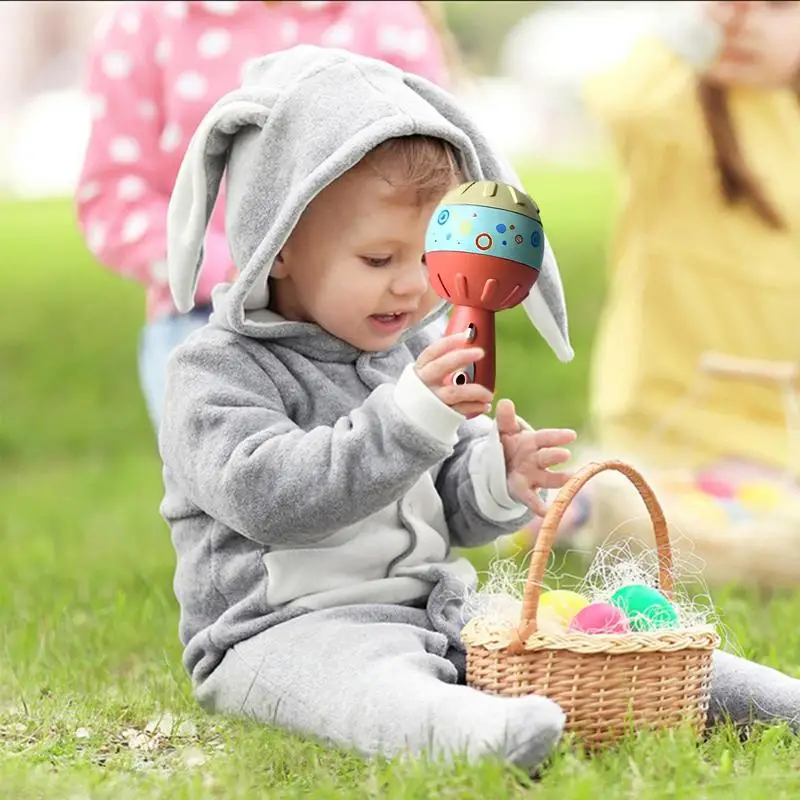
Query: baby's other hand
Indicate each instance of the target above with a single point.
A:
(529, 454)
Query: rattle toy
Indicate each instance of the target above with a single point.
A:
(484, 249)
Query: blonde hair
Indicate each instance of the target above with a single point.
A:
(424, 165)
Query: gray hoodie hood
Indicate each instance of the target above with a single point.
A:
(301, 119)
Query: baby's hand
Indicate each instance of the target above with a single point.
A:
(436, 365)
(529, 454)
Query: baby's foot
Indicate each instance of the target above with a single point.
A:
(520, 730)
(746, 692)
(534, 727)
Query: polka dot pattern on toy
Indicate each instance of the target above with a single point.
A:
(474, 229)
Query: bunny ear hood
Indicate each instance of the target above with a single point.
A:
(301, 119)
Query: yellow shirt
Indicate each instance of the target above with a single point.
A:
(690, 274)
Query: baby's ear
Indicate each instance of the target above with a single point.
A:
(279, 269)
(197, 187)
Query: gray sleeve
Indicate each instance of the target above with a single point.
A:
(231, 448)
(471, 483)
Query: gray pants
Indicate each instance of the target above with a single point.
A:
(383, 680)
(378, 679)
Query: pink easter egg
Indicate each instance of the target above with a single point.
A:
(715, 486)
(600, 618)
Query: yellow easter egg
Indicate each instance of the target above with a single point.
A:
(557, 609)
(514, 544)
(760, 496)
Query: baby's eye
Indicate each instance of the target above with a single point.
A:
(376, 261)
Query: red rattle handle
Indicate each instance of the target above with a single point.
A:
(480, 324)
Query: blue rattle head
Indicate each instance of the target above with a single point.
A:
(491, 219)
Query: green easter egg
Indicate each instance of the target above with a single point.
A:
(646, 608)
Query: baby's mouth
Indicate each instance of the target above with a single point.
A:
(390, 322)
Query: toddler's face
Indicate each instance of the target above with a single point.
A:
(354, 264)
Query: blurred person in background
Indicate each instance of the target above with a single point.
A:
(705, 121)
(699, 327)
(154, 71)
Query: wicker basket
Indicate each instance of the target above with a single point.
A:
(608, 685)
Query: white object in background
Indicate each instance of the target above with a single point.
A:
(38, 163)
(494, 104)
(550, 54)
(560, 46)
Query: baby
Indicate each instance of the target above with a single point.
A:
(319, 467)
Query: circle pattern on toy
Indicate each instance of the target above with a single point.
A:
(485, 230)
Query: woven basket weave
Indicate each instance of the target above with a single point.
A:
(607, 685)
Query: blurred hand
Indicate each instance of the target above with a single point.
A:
(529, 454)
(761, 43)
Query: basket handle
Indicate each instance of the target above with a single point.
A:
(549, 527)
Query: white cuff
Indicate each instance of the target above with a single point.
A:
(425, 409)
(690, 35)
(487, 468)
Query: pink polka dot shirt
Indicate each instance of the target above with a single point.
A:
(155, 69)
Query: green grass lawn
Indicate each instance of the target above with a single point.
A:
(93, 699)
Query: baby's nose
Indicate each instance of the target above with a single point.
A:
(412, 281)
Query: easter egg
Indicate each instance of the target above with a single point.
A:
(514, 544)
(600, 618)
(759, 495)
(715, 486)
(646, 608)
(557, 609)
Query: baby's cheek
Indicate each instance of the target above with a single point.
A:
(429, 301)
